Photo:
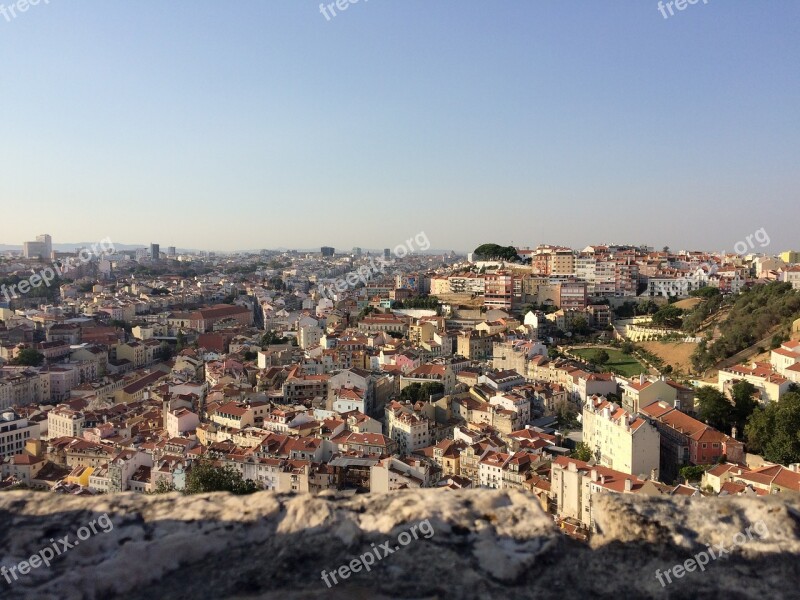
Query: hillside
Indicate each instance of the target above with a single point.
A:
(759, 318)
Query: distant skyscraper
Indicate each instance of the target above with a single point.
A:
(155, 251)
(42, 248)
(387, 253)
(48, 243)
(357, 251)
(327, 251)
(171, 251)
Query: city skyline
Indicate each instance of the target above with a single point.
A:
(605, 123)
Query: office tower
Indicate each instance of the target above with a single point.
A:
(155, 252)
(327, 251)
(42, 248)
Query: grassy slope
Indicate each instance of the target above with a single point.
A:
(619, 363)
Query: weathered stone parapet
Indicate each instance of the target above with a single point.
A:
(485, 544)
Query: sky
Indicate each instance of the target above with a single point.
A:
(264, 124)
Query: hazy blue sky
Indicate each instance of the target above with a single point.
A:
(250, 124)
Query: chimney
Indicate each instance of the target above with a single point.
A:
(641, 379)
(602, 479)
(734, 432)
(653, 475)
(594, 474)
(628, 485)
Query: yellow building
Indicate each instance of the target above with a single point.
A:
(790, 256)
(80, 476)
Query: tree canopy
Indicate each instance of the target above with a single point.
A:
(29, 357)
(204, 477)
(417, 392)
(755, 312)
(714, 408)
(496, 252)
(772, 431)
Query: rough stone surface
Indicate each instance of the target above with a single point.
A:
(485, 544)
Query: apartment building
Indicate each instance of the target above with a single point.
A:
(574, 483)
(499, 291)
(772, 385)
(687, 441)
(19, 387)
(62, 421)
(474, 345)
(641, 392)
(15, 431)
(411, 430)
(574, 295)
(784, 358)
(562, 263)
(620, 440)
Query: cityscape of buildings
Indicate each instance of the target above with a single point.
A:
(440, 371)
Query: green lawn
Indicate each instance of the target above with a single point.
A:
(619, 363)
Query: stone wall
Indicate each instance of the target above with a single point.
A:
(484, 544)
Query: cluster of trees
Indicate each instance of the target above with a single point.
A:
(428, 302)
(580, 326)
(755, 312)
(713, 300)
(276, 283)
(120, 324)
(635, 309)
(206, 477)
(421, 392)
(366, 311)
(29, 357)
(271, 338)
(582, 452)
(50, 292)
(714, 408)
(668, 316)
(693, 472)
(772, 431)
(533, 307)
(496, 252)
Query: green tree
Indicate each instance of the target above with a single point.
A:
(496, 252)
(421, 392)
(580, 326)
(601, 357)
(743, 403)
(271, 338)
(668, 316)
(163, 487)
(29, 357)
(181, 342)
(366, 311)
(692, 472)
(204, 477)
(582, 452)
(705, 292)
(772, 431)
(715, 409)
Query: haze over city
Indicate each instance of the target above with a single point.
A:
(265, 125)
